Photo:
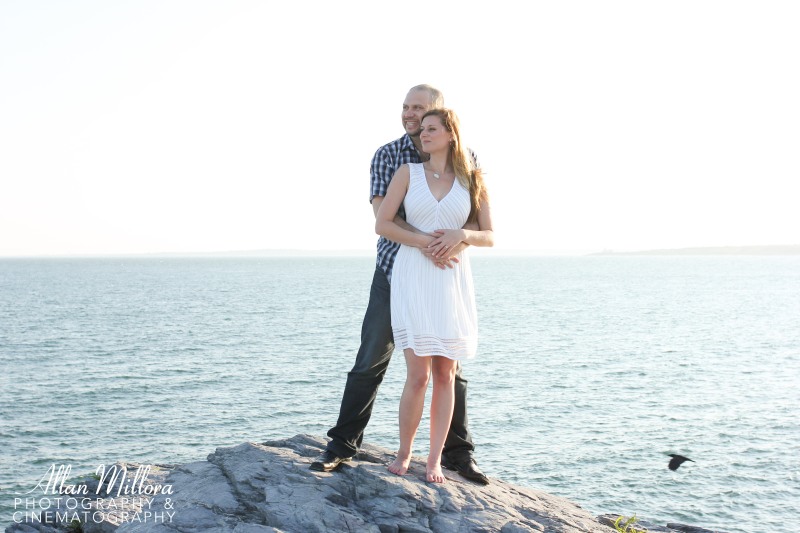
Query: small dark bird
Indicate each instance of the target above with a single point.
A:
(676, 461)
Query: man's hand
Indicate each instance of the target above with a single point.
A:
(448, 261)
(443, 263)
(445, 241)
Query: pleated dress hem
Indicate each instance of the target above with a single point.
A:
(425, 345)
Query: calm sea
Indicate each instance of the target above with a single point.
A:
(590, 371)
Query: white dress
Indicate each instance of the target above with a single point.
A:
(433, 310)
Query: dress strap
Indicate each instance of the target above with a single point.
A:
(417, 172)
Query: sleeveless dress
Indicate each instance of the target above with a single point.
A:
(433, 310)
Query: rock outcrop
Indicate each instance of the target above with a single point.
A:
(268, 487)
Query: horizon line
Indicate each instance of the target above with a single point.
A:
(769, 249)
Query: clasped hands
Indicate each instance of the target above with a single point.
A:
(444, 246)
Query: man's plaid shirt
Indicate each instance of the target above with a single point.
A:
(385, 163)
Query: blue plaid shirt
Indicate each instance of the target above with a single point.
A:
(385, 163)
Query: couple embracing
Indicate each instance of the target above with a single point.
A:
(430, 204)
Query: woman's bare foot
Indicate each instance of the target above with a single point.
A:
(400, 464)
(434, 473)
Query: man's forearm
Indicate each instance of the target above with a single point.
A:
(376, 204)
(464, 245)
(405, 225)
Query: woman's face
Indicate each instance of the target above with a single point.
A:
(434, 136)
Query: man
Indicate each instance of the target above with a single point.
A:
(377, 343)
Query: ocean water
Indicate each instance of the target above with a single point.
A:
(590, 371)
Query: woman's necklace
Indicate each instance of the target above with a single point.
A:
(435, 174)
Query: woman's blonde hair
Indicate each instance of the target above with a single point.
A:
(467, 172)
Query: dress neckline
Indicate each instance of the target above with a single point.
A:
(427, 185)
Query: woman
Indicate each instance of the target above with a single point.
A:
(433, 311)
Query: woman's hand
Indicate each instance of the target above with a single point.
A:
(444, 241)
(441, 262)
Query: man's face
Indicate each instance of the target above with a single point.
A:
(416, 104)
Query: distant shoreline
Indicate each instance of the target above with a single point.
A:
(713, 250)
(288, 253)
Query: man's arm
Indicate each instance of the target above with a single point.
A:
(448, 239)
(385, 224)
(440, 262)
(457, 249)
(376, 204)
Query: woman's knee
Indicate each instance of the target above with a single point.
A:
(444, 372)
(418, 370)
(417, 381)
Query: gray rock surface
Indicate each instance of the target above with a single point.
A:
(685, 528)
(268, 487)
(649, 527)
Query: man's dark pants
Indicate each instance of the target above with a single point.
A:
(377, 345)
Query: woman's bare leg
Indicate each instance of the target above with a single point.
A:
(412, 402)
(444, 374)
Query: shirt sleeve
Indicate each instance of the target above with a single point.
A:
(380, 174)
(474, 158)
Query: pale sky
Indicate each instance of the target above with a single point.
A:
(187, 126)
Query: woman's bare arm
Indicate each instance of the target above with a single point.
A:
(385, 224)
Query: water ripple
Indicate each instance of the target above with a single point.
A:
(591, 371)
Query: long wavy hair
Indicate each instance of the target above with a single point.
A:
(467, 172)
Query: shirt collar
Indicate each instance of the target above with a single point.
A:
(407, 144)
